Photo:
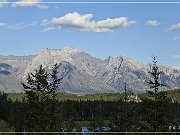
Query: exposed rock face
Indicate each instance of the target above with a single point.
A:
(18, 63)
(135, 74)
(83, 73)
(78, 81)
(11, 71)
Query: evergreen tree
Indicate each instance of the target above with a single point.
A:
(126, 118)
(40, 90)
(5, 106)
(156, 105)
(5, 127)
(17, 115)
(54, 108)
(128, 113)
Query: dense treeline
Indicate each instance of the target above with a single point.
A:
(125, 115)
(40, 111)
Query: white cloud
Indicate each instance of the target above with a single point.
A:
(17, 26)
(33, 23)
(174, 39)
(2, 3)
(45, 22)
(174, 27)
(2, 24)
(84, 22)
(152, 23)
(47, 29)
(29, 3)
(41, 6)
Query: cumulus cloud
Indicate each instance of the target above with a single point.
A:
(174, 39)
(85, 23)
(2, 3)
(152, 23)
(29, 3)
(174, 27)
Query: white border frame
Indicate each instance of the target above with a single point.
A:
(90, 2)
(97, 2)
(89, 132)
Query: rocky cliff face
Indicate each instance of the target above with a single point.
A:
(11, 71)
(135, 74)
(18, 63)
(83, 73)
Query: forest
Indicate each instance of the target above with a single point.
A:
(39, 110)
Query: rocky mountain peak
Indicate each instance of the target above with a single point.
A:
(66, 51)
(123, 61)
(84, 73)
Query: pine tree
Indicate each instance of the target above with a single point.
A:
(4, 106)
(54, 115)
(156, 104)
(40, 90)
(126, 118)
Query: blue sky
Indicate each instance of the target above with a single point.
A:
(134, 30)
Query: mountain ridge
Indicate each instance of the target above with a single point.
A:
(84, 73)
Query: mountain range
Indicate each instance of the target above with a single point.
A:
(83, 73)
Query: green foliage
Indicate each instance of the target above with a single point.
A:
(16, 117)
(127, 117)
(4, 106)
(69, 125)
(158, 111)
(97, 125)
(157, 108)
(174, 94)
(41, 103)
(41, 108)
(74, 97)
(5, 127)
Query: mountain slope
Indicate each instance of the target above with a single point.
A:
(76, 81)
(83, 73)
(135, 74)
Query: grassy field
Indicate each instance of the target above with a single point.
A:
(107, 97)
(175, 94)
(67, 96)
